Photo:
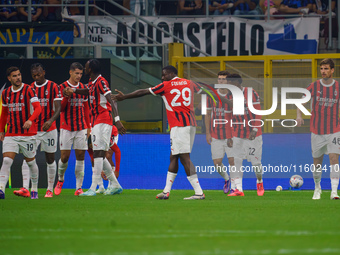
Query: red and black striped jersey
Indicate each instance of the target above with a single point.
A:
(178, 99)
(243, 124)
(100, 108)
(19, 110)
(325, 107)
(46, 93)
(220, 113)
(72, 118)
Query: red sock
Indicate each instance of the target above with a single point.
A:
(116, 150)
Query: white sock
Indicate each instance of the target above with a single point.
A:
(170, 178)
(51, 172)
(317, 179)
(258, 173)
(61, 170)
(79, 172)
(195, 184)
(107, 168)
(238, 174)
(232, 177)
(97, 169)
(222, 170)
(4, 172)
(101, 183)
(25, 175)
(334, 175)
(34, 174)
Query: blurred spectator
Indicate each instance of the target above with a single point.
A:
(140, 7)
(220, 7)
(36, 11)
(190, 7)
(8, 13)
(273, 7)
(247, 7)
(168, 8)
(52, 13)
(80, 10)
(296, 6)
(321, 7)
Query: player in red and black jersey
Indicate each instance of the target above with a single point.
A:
(17, 101)
(177, 94)
(102, 108)
(325, 126)
(247, 138)
(49, 97)
(74, 129)
(219, 132)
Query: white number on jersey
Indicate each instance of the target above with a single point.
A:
(186, 99)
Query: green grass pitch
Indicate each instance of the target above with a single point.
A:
(287, 222)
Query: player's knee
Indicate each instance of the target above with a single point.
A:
(64, 159)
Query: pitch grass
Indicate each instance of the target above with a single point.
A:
(136, 223)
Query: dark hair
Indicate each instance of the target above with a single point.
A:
(235, 77)
(36, 66)
(170, 69)
(224, 73)
(327, 61)
(76, 65)
(94, 65)
(11, 70)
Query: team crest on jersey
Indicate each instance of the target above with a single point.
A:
(46, 92)
(21, 96)
(335, 93)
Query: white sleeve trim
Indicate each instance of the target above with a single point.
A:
(256, 103)
(107, 92)
(150, 89)
(57, 98)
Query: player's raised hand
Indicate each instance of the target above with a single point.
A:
(300, 121)
(120, 127)
(119, 96)
(27, 124)
(67, 91)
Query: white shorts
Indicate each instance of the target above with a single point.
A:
(219, 147)
(48, 141)
(251, 150)
(182, 139)
(73, 139)
(27, 145)
(325, 144)
(100, 136)
(114, 140)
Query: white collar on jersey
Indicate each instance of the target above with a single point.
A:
(218, 91)
(96, 79)
(22, 85)
(74, 86)
(327, 85)
(175, 78)
(35, 84)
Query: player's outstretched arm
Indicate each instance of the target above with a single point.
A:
(207, 123)
(69, 91)
(137, 93)
(115, 115)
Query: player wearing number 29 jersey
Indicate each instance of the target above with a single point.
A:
(177, 95)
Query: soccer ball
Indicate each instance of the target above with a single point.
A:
(296, 181)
